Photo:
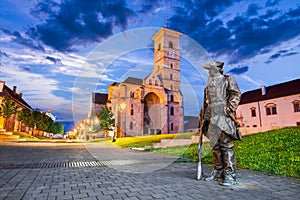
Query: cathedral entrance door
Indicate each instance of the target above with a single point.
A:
(152, 114)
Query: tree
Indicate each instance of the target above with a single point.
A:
(25, 117)
(8, 108)
(59, 128)
(106, 119)
(37, 120)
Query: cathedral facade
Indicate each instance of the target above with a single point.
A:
(153, 105)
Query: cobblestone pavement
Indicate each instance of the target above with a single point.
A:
(100, 171)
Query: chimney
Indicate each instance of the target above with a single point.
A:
(15, 89)
(20, 94)
(263, 90)
(2, 84)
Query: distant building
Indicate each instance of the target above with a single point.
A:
(191, 123)
(270, 107)
(98, 100)
(5, 91)
(49, 114)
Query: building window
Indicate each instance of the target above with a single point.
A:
(131, 109)
(131, 125)
(156, 84)
(271, 109)
(172, 98)
(296, 106)
(254, 126)
(158, 48)
(150, 82)
(253, 112)
(132, 94)
(171, 76)
(171, 45)
(172, 110)
(172, 126)
(171, 87)
(172, 66)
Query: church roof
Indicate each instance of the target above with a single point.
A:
(99, 98)
(134, 81)
(114, 84)
(272, 92)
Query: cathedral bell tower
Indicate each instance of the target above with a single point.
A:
(167, 69)
(167, 58)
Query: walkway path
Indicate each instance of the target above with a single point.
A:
(102, 171)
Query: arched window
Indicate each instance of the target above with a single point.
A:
(131, 94)
(253, 111)
(131, 125)
(150, 82)
(131, 109)
(155, 83)
(171, 44)
(171, 87)
(158, 48)
(172, 66)
(296, 105)
(172, 111)
(171, 76)
(172, 98)
(172, 126)
(271, 109)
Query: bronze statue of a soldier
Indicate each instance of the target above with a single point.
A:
(217, 122)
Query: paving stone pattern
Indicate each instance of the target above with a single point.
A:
(174, 180)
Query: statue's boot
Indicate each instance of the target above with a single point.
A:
(229, 167)
(217, 173)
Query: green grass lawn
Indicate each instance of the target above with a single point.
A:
(141, 141)
(276, 152)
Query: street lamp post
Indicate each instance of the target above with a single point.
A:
(122, 108)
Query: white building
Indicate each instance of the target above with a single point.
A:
(270, 107)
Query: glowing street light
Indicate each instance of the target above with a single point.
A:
(122, 106)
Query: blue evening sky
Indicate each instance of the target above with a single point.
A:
(57, 52)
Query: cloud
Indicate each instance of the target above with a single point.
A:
(290, 54)
(239, 70)
(149, 5)
(270, 3)
(239, 37)
(54, 60)
(24, 40)
(256, 83)
(3, 54)
(270, 13)
(79, 22)
(65, 26)
(253, 9)
(278, 54)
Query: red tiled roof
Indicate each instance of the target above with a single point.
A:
(272, 92)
